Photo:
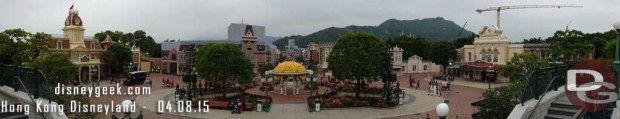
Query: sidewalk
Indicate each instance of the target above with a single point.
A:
(418, 104)
(473, 84)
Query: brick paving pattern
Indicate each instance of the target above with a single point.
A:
(157, 85)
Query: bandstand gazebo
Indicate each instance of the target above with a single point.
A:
(289, 71)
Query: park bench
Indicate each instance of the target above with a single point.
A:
(224, 105)
(333, 85)
(218, 104)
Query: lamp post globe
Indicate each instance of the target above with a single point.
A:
(442, 110)
(126, 105)
(617, 25)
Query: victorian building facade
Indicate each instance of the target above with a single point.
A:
(82, 52)
(175, 52)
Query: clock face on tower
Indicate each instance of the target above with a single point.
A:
(78, 22)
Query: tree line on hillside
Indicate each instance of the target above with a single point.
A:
(434, 29)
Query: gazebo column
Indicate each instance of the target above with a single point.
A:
(281, 86)
(297, 85)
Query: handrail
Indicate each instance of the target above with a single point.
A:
(35, 79)
(578, 114)
(542, 96)
(47, 83)
(29, 95)
(526, 83)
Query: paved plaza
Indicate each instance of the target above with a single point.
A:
(416, 105)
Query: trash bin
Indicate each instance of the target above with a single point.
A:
(401, 97)
(317, 107)
(259, 107)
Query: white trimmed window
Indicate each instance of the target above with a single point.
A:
(58, 45)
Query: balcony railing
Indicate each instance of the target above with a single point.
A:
(540, 80)
(34, 80)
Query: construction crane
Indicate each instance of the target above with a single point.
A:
(500, 8)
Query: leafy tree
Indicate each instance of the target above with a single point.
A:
(469, 40)
(610, 51)
(282, 59)
(534, 40)
(121, 54)
(569, 46)
(60, 69)
(299, 59)
(517, 66)
(115, 35)
(108, 60)
(599, 40)
(39, 42)
(358, 56)
(443, 53)
(223, 63)
(412, 46)
(57, 67)
(146, 43)
(499, 102)
(18, 46)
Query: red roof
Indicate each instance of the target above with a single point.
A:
(87, 43)
(65, 43)
(108, 39)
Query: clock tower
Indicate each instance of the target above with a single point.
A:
(73, 30)
(248, 43)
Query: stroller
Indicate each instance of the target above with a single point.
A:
(235, 108)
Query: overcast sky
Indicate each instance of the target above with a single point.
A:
(209, 19)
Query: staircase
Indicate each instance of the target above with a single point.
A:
(561, 108)
(11, 115)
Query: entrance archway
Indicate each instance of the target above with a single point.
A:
(95, 73)
(83, 74)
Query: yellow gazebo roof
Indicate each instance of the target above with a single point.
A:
(290, 67)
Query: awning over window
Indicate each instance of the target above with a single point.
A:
(481, 66)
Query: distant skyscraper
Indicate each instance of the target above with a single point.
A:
(237, 31)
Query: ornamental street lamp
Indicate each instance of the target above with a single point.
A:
(126, 105)
(266, 88)
(442, 110)
(312, 84)
(485, 77)
(617, 56)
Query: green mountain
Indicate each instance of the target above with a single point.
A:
(434, 29)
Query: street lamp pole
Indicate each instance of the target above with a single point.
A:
(485, 75)
(617, 56)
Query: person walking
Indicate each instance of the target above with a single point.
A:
(417, 85)
(410, 81)
(177, 88)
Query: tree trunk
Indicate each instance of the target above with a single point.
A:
(224, 88)
(359, 88)
(444, 69)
